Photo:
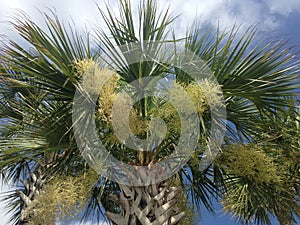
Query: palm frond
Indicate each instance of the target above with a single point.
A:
(258, 77)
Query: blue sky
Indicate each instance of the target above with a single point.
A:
(275, 19)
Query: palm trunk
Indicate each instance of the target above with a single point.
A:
(33, 187)
(147, 205)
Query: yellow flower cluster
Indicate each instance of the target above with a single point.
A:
(107, 85)
(138, 124)
(250, 162)
(196, 94)
(62, 199)
(203, 95)
(107, 97)
(81, 66)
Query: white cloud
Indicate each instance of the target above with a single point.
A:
(224, 13)
(283, 7)
(81, 13)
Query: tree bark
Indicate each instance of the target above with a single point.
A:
(148, 205)
(33, 187)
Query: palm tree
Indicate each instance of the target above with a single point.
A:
(254, 178)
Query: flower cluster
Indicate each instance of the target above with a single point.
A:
(251, 163)
(63, 198)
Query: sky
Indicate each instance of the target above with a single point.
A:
(276, 19)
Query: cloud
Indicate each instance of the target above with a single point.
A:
(284, 8)
(222, 13)
(81, 14)
(266, 14)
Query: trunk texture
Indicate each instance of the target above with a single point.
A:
(33, 186)
(147, 205)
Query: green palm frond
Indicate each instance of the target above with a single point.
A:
(94, 209)
(37, 88)
(38, 83)
(201, 188)
(254, 79)
(12, 203)
(152, 26)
